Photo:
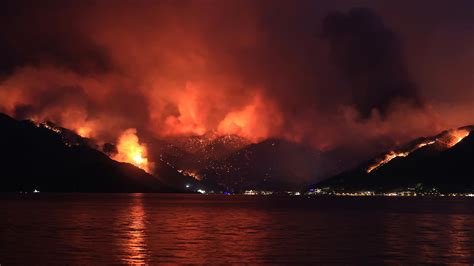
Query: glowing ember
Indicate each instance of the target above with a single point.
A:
(392, 154)
(130, 150)
(48, 126)
(193, 174)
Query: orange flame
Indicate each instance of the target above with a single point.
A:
(455, 136)
(452, 138)
(84, 131)
(247, 122)
(130, 150)
(393, 154)
(387, 158)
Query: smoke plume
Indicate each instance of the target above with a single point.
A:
(323, 74)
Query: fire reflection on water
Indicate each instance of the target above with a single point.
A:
(459, 236)
(199, 234)
(455, 239)
(180, 229)
(424, 237)
(133, 243)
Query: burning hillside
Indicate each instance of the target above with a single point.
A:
(439, 163)
(453, 137)
(171, 70)
(130, 150)
(54, 159)
(448, 139)
(325, 76)
(393, 154)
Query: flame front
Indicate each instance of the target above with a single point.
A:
(387, 158)
(455, 137)
(449, 139)
(393, 154)
(130, 150)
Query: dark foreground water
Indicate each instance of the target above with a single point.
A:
(203, 229)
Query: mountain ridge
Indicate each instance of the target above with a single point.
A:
(443, 163)
(36, 157)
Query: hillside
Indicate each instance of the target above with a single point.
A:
(37, 157)
(440, 163)
(273, 164)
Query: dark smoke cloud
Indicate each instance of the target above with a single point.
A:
(370, 59)
(306, 71)
(52, 98)
(34, 33)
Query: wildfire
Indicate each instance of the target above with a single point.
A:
(49, 126)
(84, 131)
(455, 136)
(387, 158)
(393, 154)
(450, 139)
(247, 122)
(130, 150)
(192, 174)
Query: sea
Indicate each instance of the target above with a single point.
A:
(63, 229)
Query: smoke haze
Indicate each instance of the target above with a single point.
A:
(322, 73)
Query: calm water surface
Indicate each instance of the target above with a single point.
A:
(156, 228)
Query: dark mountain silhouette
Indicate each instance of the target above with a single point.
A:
(273, 164)
(231, 163)
(435, 165)
(186, 155)
(196, 152)
(53, 159)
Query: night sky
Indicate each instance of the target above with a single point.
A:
(365, 75)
